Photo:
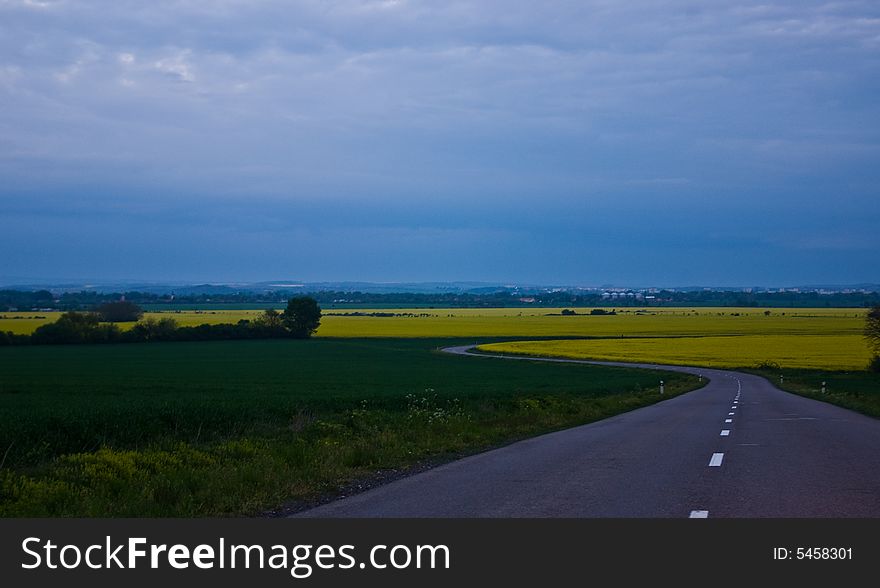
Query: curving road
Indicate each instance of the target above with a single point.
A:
(739, 447)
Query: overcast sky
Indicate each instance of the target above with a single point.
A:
(576, 142)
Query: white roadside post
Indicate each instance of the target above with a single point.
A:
(823, 386)
(661, 387)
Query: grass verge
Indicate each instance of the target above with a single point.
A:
(855, 390)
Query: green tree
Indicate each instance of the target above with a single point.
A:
(76, 327)
(872, 335)
(151, 329)
(270, 319)
(302, 317)
(120, 312)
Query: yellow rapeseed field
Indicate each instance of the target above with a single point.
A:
(830, 352)
(23, 323)
(528, 322)
(723, 337)
(511, 322)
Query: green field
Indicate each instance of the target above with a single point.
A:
(855, 390)
(236, 427)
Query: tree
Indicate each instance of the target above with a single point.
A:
(270, 323)
(302, 317)
(872, 334)
(120, 312)
(164, 329)
(270, 319)
(76, 327)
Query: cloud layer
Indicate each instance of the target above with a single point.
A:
(566, 141)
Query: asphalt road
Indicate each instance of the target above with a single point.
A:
(739, 447)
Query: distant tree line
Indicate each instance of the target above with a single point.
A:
(593, 312)
(22, 300)
(300, 320)
(87, 300)
(381, 314)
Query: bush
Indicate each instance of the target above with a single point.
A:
(872, 330)
(269, 325)
(120, 312)
(874, 364)
(151, 329)
(299, 321)
(767, 364)
(76, 327)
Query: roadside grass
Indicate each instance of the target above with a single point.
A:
(855, 390)
(238, 427)
(804, 362)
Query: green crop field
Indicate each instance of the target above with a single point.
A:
(236, 427)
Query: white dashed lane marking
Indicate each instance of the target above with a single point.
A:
(717, 458)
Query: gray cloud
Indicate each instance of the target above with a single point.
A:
(456, 116)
